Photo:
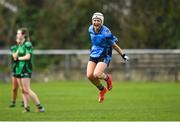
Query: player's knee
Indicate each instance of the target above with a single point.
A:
(89, 76)
(96, 75)
(15, 89)
(24, 91)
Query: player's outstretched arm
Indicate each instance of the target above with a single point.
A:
(120, 51)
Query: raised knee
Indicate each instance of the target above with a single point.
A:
(90, 76)
(96, 75)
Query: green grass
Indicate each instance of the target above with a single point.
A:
(78, 101)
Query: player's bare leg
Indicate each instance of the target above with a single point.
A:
(25, 93)
(99, 73)
(95, 80)
(32, 94)
(14, 91)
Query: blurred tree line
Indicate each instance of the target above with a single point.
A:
(63, 24)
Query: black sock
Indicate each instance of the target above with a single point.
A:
(101, 87)
(13, 102)
(39, 106)
(27, 109)
(22, 103)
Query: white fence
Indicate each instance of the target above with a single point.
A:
(144, 64)
(128, 51)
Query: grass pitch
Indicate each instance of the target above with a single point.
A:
(78, 101)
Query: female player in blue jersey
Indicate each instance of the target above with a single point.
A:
(100, 55)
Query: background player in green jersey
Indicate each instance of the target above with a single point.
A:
(14, 81)
(23, 70)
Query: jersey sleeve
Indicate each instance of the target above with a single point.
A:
(113, 40)
(90, 29)
(110, 37)
(29, 47)
(13, 49)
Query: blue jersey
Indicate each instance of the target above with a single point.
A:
(101, 42)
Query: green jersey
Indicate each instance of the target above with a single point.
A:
(13, 62)
(24, 67)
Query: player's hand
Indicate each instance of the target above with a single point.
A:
(125, 57)
(15, 55)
